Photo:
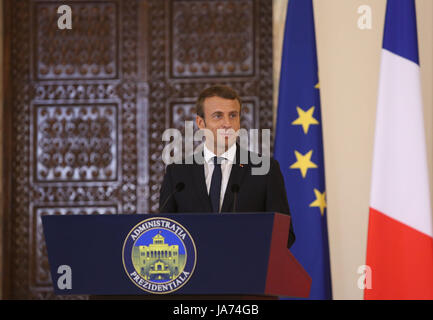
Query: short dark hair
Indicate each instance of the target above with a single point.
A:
(215, 91)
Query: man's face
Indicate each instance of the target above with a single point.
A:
(222, 118)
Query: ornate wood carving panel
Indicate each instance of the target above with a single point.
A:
(74, 124)
(75, 143)
(89, 105)
(87, 51)
(211, 39)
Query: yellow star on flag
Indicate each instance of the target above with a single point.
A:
(305, 118)
(320, 201)
(303, 162)
(317, 86)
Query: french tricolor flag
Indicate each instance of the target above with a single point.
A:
(400, 237)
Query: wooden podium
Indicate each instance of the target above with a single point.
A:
(174, 256)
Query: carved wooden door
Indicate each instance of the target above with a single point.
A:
(89, 105)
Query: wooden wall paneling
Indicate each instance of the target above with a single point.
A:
(6, 146)
(74, 124)
(88, 106)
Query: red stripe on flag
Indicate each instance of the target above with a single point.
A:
(400, 258)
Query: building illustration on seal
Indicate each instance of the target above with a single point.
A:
(159, 261)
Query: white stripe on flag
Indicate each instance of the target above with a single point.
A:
(400, 185)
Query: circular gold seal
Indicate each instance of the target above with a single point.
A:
(159, 255)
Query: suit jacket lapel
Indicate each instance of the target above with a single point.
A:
(237, 174)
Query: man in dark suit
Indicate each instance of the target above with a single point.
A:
(222, 182)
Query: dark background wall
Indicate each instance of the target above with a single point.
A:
(85, 108)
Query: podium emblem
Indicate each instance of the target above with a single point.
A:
(159, 255)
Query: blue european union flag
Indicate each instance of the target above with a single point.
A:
(299, 147)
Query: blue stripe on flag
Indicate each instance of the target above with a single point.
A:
(400, 32)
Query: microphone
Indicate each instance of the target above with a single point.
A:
(235, 190)
(179, 187)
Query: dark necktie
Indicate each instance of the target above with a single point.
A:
(215, 185)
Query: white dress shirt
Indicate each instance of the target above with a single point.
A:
(226, 168)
